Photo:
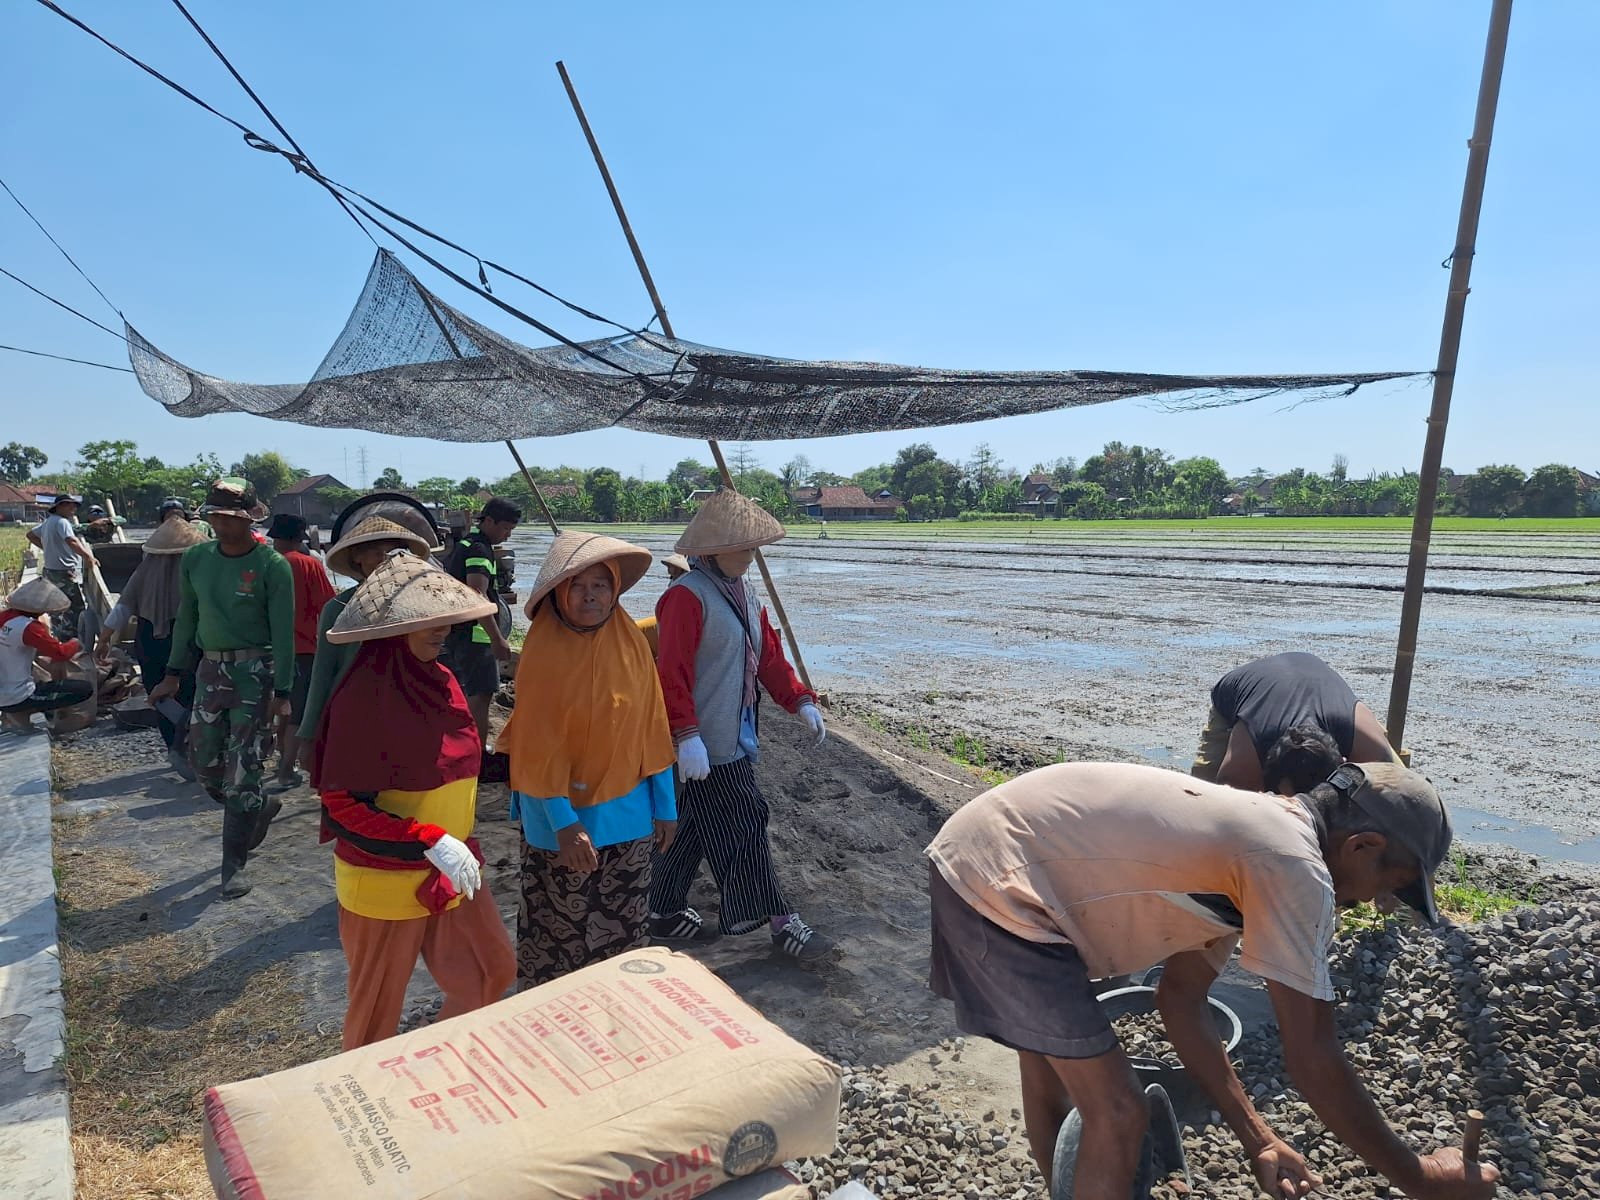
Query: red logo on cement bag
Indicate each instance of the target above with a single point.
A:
(658, 1181)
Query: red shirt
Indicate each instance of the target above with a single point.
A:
(312, 590)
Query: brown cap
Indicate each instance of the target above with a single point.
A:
(573, 552)
(405, 594)
(729, 522)
(373, 529)
(1407, 809)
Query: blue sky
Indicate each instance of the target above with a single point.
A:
(1168, 186)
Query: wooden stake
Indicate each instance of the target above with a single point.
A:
(666, 328)
(1444, 376)
(444, 332)
(1472, 1135)
(533, 487)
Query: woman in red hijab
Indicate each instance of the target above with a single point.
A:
(397, 769)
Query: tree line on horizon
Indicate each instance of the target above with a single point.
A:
(1120, 481)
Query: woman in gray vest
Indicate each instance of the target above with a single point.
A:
(717, 651)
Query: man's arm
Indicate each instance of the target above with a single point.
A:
(1181, 999)
(81, 550)
(480, 583)
(182, 657)
(33, 536)
(1241, 765)
(1329, 1084)
(1370, 743)
(280, 620)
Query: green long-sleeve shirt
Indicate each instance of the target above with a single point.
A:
(329, 667)
(238, 603)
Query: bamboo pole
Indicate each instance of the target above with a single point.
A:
(666, 328)
(533, 487)
(444, 332)
(1444, 377)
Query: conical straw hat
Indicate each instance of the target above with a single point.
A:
(397, 507)
(678, 561)
(373, 529)
(573, 552)
(729, 522)
(174, 537)
(405, 594)
(38, 595)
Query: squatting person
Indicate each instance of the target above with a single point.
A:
(1256, 704)
(24, 638)
(1087, 870)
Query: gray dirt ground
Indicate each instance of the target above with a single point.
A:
(850, 819)
(1030, 657)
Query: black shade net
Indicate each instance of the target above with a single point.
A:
(409, 364)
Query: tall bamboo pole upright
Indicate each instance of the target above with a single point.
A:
(666, 328)
(1444, 377)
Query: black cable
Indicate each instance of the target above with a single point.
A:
(64, 358)
(145, 67)
(276, 124)
(62, 304)
(61, 248)
(303, 165)
(334, 189)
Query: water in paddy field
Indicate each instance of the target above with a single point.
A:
(1472, 825)
(1107, 646)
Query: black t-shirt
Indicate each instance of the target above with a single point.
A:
(473, 555)
(1281, 692)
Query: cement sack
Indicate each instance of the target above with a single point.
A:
(769, 1185)
(640, 1078)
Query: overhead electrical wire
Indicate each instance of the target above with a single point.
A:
(60, 247)
(62, 304)
(64, 358)
(350, 199)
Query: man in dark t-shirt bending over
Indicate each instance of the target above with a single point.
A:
(1256, 705)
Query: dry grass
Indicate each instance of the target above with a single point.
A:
(146, 1035)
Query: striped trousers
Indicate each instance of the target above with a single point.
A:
(722, 820)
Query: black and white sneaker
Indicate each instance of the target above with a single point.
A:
(687, 926)
(799, 941)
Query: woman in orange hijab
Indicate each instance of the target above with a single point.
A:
(591, 761)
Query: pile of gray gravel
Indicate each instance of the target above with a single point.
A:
(896, 1140)
(1503, 1016)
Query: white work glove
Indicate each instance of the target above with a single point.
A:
(812, 716)
(456, 863)
(693, 761)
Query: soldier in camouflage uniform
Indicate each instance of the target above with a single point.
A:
(235, 628)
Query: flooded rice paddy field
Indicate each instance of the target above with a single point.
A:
(1093, 647)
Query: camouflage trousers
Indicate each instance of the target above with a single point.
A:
(64, 625)
(230, 730)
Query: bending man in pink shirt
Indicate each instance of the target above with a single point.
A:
(1086, 870)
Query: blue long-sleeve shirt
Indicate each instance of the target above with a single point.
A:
(625, 819)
